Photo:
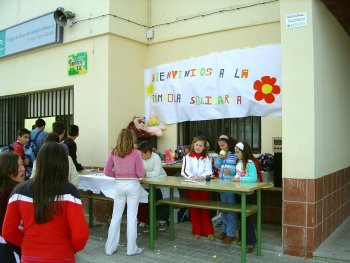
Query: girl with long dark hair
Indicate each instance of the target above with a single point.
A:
(12, 172)
(45, 214)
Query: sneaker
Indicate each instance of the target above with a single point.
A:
(138, 251)
(142, 224)
(162, 226)
(227, 240)
(145, 229)
(249, 248)
(197, 236)
(211, 237)
(222, 236)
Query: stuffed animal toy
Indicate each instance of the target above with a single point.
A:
(138, 125)
(154, 127)
(169, 155)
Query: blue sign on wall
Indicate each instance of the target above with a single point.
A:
(37, 32)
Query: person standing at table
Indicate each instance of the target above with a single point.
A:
(45, 215)
(153, 167)
(73, 133)
(197, 166)
(73, 176)
(226, 162)
(12, 172)
(246, 173)
(59, 128)
(124, 163)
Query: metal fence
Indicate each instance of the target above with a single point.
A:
(16, 108)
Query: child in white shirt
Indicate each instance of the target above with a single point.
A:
(153, 167)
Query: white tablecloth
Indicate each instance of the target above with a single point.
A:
(100, 183)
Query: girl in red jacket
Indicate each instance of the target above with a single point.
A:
(12, 172)
(45, 215)
(197, 166)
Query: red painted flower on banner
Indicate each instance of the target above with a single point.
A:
(266, 89)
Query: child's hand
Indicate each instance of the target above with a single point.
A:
(227, 171)
(222, 157)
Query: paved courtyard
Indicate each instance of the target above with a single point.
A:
(184, 249)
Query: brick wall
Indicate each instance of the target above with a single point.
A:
(312, 210)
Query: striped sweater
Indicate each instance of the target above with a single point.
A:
(57, 239)
(230, 163)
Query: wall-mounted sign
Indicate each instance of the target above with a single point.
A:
(296, 20)
(34, 33)
(77, 63)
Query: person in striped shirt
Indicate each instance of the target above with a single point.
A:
(226, 162)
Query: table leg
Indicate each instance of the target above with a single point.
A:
(259, 222)
(152, 218)
(243, 227)
(171, 216)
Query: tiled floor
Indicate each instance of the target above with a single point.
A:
(336, 248)
(185, 248)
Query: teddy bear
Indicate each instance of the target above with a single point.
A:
(138, 125)
(154, 127)
(169, 155)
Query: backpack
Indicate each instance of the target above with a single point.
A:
(6, 148)
(32, 144)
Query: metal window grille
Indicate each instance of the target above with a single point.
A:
(15, 109)
(246, 129)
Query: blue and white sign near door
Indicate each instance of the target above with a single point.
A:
(37, 32)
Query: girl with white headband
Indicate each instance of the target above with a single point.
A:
(245, 167)
(246, 173)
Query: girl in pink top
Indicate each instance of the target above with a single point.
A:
(124, 164)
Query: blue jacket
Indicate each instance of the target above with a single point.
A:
(248, 176)
(230, 163)
(40, 139)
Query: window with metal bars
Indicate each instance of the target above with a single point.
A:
(15, 109)
(246, 129)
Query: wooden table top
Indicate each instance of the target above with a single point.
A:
(213, 185)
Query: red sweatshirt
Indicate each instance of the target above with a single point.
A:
(57, 239)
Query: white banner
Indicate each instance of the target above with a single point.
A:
(231, 84)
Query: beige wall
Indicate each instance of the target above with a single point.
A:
(315, 68)
(298, 125)
(332, 92)
(47, 69)
(134, 10)
(111, 92)
(126, 62)
(208, 18)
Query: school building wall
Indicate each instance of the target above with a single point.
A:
(247, 27)
(118, 52)
(314, 124)
(316, 162)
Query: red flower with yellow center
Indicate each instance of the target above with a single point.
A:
(265, 89)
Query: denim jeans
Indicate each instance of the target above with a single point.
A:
(229, 219)
(250, 229)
